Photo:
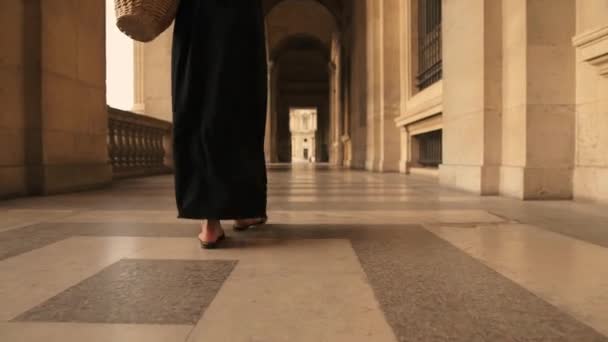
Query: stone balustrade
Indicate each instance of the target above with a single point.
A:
(138, 145)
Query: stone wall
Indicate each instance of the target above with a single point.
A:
(53, 61)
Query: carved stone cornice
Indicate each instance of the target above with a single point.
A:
(593, 48)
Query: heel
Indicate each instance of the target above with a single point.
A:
(243, 228)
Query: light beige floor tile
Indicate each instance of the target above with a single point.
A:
(71, 332)
(358, 192)
(568, 273)
(304, 290)
(31, 278)
(339, 199)
(135, 216)
(301, 216)
(261, 256)
(294, 308)
(383, 216)
(18, 218)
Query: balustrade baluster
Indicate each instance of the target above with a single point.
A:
(136, 143)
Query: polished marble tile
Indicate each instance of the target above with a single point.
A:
(18, 218)
(119, 216)
(136, 291)
(344, 258)
(294, 308)
(262, 256)
(78, 332)
(568, 273)
(32, 278)
(433, 291)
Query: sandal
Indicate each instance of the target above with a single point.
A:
(262, 221)
(212, 244)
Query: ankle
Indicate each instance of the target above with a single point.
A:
(211, 225)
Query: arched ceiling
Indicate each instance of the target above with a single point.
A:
(300, 42)
(293, 18)
(336, 7)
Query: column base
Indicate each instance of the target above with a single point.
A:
(370, 164)
(12, 181)
(482, 180)
(76, 177)
(536, 183)
(591, 184)
(387, 166)
(404, 166)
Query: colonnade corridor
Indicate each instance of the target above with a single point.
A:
(347, 256)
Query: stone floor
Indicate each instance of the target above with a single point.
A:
(348, 256)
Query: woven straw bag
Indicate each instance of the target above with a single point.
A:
(144, 20)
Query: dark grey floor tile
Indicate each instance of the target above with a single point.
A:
(432, 291)
(23, 240)
(26, 239)
(139, 292)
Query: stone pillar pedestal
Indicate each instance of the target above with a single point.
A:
(472, 95)
(538, 130)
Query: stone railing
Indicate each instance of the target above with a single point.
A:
(138, 145)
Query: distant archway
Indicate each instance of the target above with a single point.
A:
(302, 81)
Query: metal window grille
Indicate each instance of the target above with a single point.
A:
(429, 43)
(430, 148)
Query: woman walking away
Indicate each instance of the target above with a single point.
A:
(219, 113)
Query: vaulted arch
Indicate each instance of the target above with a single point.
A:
(300, 17)
(301, 41)
(335, 7)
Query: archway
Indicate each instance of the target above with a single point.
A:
(302, 71)
(302, 81)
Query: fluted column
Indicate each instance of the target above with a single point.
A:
(138, 78)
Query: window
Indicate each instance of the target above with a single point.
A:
(430, 148)
(429, 43)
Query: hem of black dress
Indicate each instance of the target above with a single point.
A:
(189, 216)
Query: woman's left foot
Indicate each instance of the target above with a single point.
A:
(244, 224)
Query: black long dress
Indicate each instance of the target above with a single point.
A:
(219, 109)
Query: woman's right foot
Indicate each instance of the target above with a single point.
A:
(211, 234)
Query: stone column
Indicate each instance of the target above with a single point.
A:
(271, 124)
(404, 153)
(157, 80)
(472, 71)
(335, 69)
(390, 89)
(372, 81)
(268, 136)
(345, 139)
(378, 80)
(538, 89)
(331, 69)
(139, 98)
(74, 118)
(20, 121)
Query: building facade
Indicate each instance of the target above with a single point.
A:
(303, 128)
(496, 97)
